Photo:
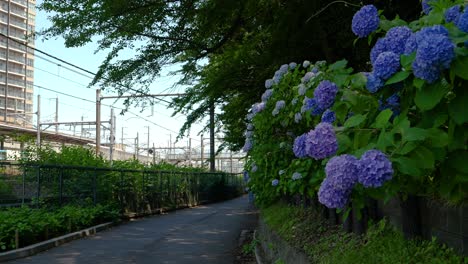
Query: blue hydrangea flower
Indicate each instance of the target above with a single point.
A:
(386, 64)
(302, 89)
(292, 65)
(250, 126)
(332, 197)
(396, 38)
(342, 172)
(453, 14)
(379, 47)
(436, 51)
(373, 84)
(411, 45)
(280, 104)
(246, 176)
(248, 145)
(365, 21)
(250, 116)
(268, 83)
(306, 64)
(374, 169)
(248, 133)
(428, 73)
(284, 68)
(266, 95)
(258, 107)
(325, 94)
(426, 7)
(296, 176)
(307, 77)
(321, 142)
(275, 182)
(392, 103)
(311, 104)
(328, 116)
(314, 70)
(299, 147)
(254, 168)
(294, 101)
(297, 117)
(427, 31)
(280, 172)
(463, 21)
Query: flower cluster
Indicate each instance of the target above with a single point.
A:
(345, 171)
(302, 89)
(434, 52)
(392, 103)
(394, 41)
(426, 7)
(247, 145)
(373, 84)
(275, 182)
(321, 142)
(386, 64)
(462, 23)
(365, 21)
(328, 116)
(296, 176)
(299, 148)
(374, 169)
(280, 73)
(306, 64)
(266, 95)
(325, 94)
(297, 117)
(279, 105)
(453, 14)
(268, 83)
(311, 104)
(307, 77)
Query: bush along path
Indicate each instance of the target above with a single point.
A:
(399, 130)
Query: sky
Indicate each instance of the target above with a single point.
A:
(51, 75)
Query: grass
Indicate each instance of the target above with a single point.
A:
(324, 243)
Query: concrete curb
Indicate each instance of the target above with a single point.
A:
(258, 256)
(51, 243)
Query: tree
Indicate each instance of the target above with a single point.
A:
(226, 48)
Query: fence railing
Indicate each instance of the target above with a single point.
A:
(134, 191)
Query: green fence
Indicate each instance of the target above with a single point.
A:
(134, 191)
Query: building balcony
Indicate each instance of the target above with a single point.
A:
(21, 3)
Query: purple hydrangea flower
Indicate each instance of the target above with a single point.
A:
(321, 142)
(311, 104)
(258, 107)
(268, 83)
(299, 147)
(306, 64)
(250, 116)
(254, 168)
(463, 21)
(280, 104)
(284, 68)
(275, 182)
(302, 89)
(248, 145)
(297, 117)
(248, 133)
(342, 172)
(266, 95)
(374, 169)
(379, 47)
(332, 197)
(328, 116)
(365, 21)
(373, 84)
(292, 65)
(296, 176)
(396, 38)
(325, 94)
(427, 31)
(453, 14)
(314, 70)
(307, 77)
(426, 7)
(387, 64)
(250, 126)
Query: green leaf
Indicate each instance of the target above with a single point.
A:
(458, 160)
(407, 166)
(418, 83)
(423, 158)
(358, 80)
(428, 97)
(355, 121)
(385, 140)
(338, 65)
(457, 106)
(414, 134)
(459, 67)
(398, 77)
(361, 139)
(382, 120)
(407, 148)
(407, 60)
(438, 137)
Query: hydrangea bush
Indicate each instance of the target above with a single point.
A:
(323, 129)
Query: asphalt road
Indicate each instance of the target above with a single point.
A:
(205, 234)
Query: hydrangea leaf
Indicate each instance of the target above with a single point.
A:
(414, 134)
(382, 120)
(398, 77)
(458, 161)
(358, 80)
(459, 67)
(407, 148)
(457, 107)
(418, 83)
(423, 157)
(407, 60)
(428, 97)
(407, 166)
(339, 65)
(438, 137)
(355, 121)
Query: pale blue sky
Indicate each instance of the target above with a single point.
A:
(55, 77)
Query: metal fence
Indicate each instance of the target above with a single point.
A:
(134, 191)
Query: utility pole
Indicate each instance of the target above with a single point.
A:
(201, 151)
(231, 159)
(98, 121)
(170, 146)
(154, 155)
(212, 136)
(56, 114)
(190, 151)
(122, 139)
(136, 146)
(111, 149)
(38, 120)
(147, 141)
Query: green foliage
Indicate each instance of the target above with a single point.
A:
(35, 225)
(323, 243)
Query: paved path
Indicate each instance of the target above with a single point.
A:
(206, 234)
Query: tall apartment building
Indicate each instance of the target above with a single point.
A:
(17, 21)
